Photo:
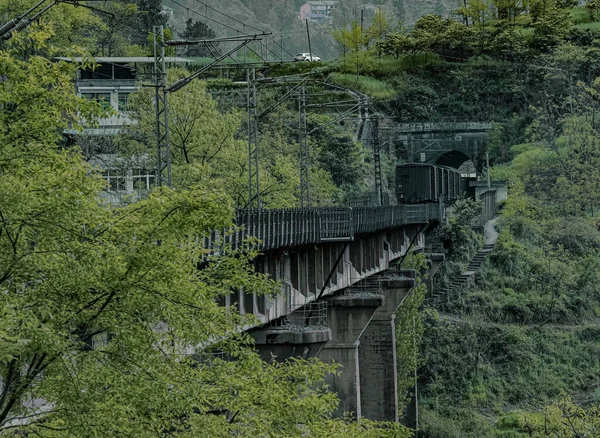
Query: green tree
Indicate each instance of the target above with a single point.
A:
(508, 9)
(197, 31)
(563, 418)
(211, 148)
(578, 151)
(106, 322)
(337, 152)
(435, 33)
(353, 42)
(396, 44)
(551, 23)
(71, 26)
(113, 32)
(340, 36)
(378, 29)
(594, 7)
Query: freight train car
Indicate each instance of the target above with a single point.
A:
(454, 187)
(416, 183)
(419, 183)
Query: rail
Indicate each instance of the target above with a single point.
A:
(283, 228)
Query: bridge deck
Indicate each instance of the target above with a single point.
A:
(297, 227)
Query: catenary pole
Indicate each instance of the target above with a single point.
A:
(309, 45)
(163, 152)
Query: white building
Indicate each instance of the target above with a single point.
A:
(111, 83)
(318, 10)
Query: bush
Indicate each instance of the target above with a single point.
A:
(581, 14)
(365, 84)
(463, 424)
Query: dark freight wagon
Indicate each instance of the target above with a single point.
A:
(419, 183)
(416, 183)
(454, 184)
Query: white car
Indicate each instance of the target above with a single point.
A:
(306, 57)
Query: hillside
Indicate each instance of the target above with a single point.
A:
(410, 11)
(281, 17)
(515, 354)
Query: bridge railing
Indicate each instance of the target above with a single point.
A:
(282, 228)
(370, 220)
(293, 227)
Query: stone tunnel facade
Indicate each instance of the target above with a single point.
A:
(446, 143)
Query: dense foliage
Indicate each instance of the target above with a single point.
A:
(95, 316)
(502, 357)
(107, 324)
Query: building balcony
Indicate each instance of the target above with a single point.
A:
(106, 83)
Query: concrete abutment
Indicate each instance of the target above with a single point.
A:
(348, 315)
(377, 354)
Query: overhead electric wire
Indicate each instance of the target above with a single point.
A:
(238, 38)
(342, 102)
(277, 55)
(231, 28)
(229, 16)
(280, 46)
(79, 4)
(206, 17)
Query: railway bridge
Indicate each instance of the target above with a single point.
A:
(341, 286)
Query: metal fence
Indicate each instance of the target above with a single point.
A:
(296, 227)
(369, 199)
(313, 314)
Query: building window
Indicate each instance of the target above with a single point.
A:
(102, 98)
(115, 180)
(143, 179)
(123, 101)
(100, 340)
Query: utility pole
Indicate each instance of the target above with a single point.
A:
(377, 159)
(304, 154)
(253, 174)
(362, 20)
(309, 46)
(163, 152)
(281, 45)
(487, 163)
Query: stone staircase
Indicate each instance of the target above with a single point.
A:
(467, 278)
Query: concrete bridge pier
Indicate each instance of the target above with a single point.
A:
(434, 262)
(348, 315)
(282, 343)
(377, 354)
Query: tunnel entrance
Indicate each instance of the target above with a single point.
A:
(452, 159)
(467, 169)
